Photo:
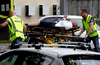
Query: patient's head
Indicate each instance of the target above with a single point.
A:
(74, 23)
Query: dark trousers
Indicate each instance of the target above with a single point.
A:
(46, 24)
(95, 42)
(16, 41)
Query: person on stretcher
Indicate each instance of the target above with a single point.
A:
(64, 23)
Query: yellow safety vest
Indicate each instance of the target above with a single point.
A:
(15, 27)
(86, 24)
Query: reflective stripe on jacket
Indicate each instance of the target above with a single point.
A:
(86, 24)
(15, 27)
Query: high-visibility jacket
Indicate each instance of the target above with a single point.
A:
(15, 27)
(86, 24)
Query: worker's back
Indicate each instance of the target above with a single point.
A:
(15, 27)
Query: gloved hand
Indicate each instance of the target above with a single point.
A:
(86, 36)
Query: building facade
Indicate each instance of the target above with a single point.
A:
(20, 6)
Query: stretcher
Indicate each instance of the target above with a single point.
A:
(50, 35)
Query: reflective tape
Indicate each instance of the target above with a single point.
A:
(15, 27)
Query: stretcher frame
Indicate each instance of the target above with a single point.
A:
(48, 34)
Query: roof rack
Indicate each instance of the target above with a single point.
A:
(64, 45)
(71, 42)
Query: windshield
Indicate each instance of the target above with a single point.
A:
(81, 60)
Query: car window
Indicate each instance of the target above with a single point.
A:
(25, 58)
(9, 60)
(81, 60)
(98, 25)
(79, 22)
(37, 59)
(50, 19)
(60, 18)
(81, 25)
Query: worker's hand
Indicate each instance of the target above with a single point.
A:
(86, 36)
(78, 35)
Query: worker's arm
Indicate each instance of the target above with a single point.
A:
(24, 28)
(91, 25)
(83, 29)
(90, 29)
(34, 23)
(4, 24)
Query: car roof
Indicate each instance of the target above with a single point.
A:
(69, 16)
(60, 52)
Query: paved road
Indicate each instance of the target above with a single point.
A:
(5, 46)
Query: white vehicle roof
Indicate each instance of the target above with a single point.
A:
(60, 52)
(69, 16)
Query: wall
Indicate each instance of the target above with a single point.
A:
(75, 6)
(35, 17)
